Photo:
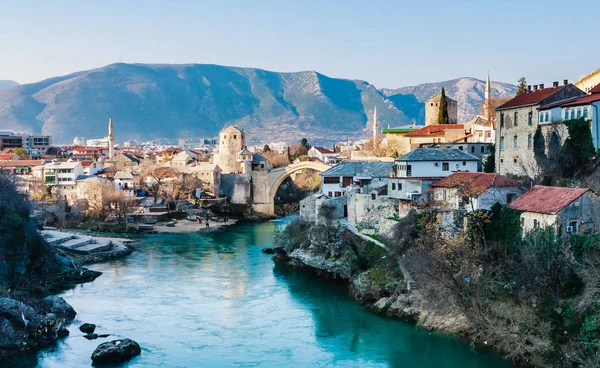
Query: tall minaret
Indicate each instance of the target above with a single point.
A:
(488, 94)
(375, 127)
(111, 139)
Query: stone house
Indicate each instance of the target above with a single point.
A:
(91, 167)
(123, 160)
(371, 209)
(568, 210)
(432, 108)
(364, 174)
(210, 174)
(396, 137)
(412, 173)
(463, 192)
(517, 121)
(321, 209)
(167, 155)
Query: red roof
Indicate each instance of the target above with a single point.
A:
(86, 163)
(170, 150)
(542, 199)
(15, 163)
(6, 156)
(471, 182)
(322, 149)
(585, 100)
(529, 98)
(434, 129)
(595, 89)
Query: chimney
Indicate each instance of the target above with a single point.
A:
(554, 84)
(529, 88)
(566, 81)
(535, 87)
(542, 86)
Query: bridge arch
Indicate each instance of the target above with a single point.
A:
(275, 177)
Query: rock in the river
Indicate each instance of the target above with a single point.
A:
(59, 307)
(116, 351)
(268, 250)
(87, 328)
(91, 336)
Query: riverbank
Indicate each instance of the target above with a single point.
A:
(373, 276)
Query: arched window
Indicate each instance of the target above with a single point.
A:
(585, 112)
(546, 116)
(541, 117)
(566, 114)
(578, 113)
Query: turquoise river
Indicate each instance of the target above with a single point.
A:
(215, 300)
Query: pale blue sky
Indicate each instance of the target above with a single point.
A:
(388, 43)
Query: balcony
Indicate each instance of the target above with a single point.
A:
(49, 180)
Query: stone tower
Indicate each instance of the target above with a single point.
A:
(487, 113)
(432, 108)
(111, 139)
(231, 142)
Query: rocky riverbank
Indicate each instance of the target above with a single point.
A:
(31, 318)
(371, 273)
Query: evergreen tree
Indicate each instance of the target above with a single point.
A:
(304, 142)
(522, 87)
(490, 163)
(539, 147)
(266, 148)
(443, 111)
(578, 149)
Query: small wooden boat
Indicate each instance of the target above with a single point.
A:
(170, 224)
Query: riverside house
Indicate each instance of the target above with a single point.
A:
(568, 210)
(364, 174)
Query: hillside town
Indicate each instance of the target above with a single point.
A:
(524, 170)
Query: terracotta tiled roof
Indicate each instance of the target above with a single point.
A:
(433, 130)
(15, 163)
(585, 100)
(529, 98)
(471, 181)
(551, 200)
(322, 150)
(6, 156)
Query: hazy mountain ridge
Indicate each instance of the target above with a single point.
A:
(174, 101)
(5, 84)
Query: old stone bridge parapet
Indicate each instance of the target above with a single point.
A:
(265, 184)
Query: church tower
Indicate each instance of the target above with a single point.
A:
(487, 103)
(111, 139)
(375, 127)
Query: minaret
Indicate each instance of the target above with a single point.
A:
(375, 127)
(111, 139)
(488, 94)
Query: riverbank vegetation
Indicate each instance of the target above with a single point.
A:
(534, 298)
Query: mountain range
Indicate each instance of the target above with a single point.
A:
(152, 101)
(4, 84)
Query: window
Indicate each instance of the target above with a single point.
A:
(445, 166)
(546, 116)
(464, 163)
(399, 186)
(515, 160)
(330, 194)
(509, 198)
(522, 221)
(530, 118)
(445, 194)
(472, 149)
(536, 223)
(529, 141)
(541, 117)
(501, 160)
(501, 143)
(573, 225)
(338, 194)
(566, 114)
(331, 179)
(408, 170)
(460, 148)
(436, 164)
(516, 119)
(585, 112)
(515, 142)
(578, 113)
(393, 186)
(502, 120)
(482, 149)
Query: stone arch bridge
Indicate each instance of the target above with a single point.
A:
(265, 184)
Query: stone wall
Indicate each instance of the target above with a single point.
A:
(313, 209)
(367, 210)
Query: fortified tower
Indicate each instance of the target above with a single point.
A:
(432, 109)
(231, 142)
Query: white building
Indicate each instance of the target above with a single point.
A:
(62, 176)
(414, 172)
(365, 174)
(323, 154)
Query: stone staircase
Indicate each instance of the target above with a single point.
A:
(80, 244)
(411, 285)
